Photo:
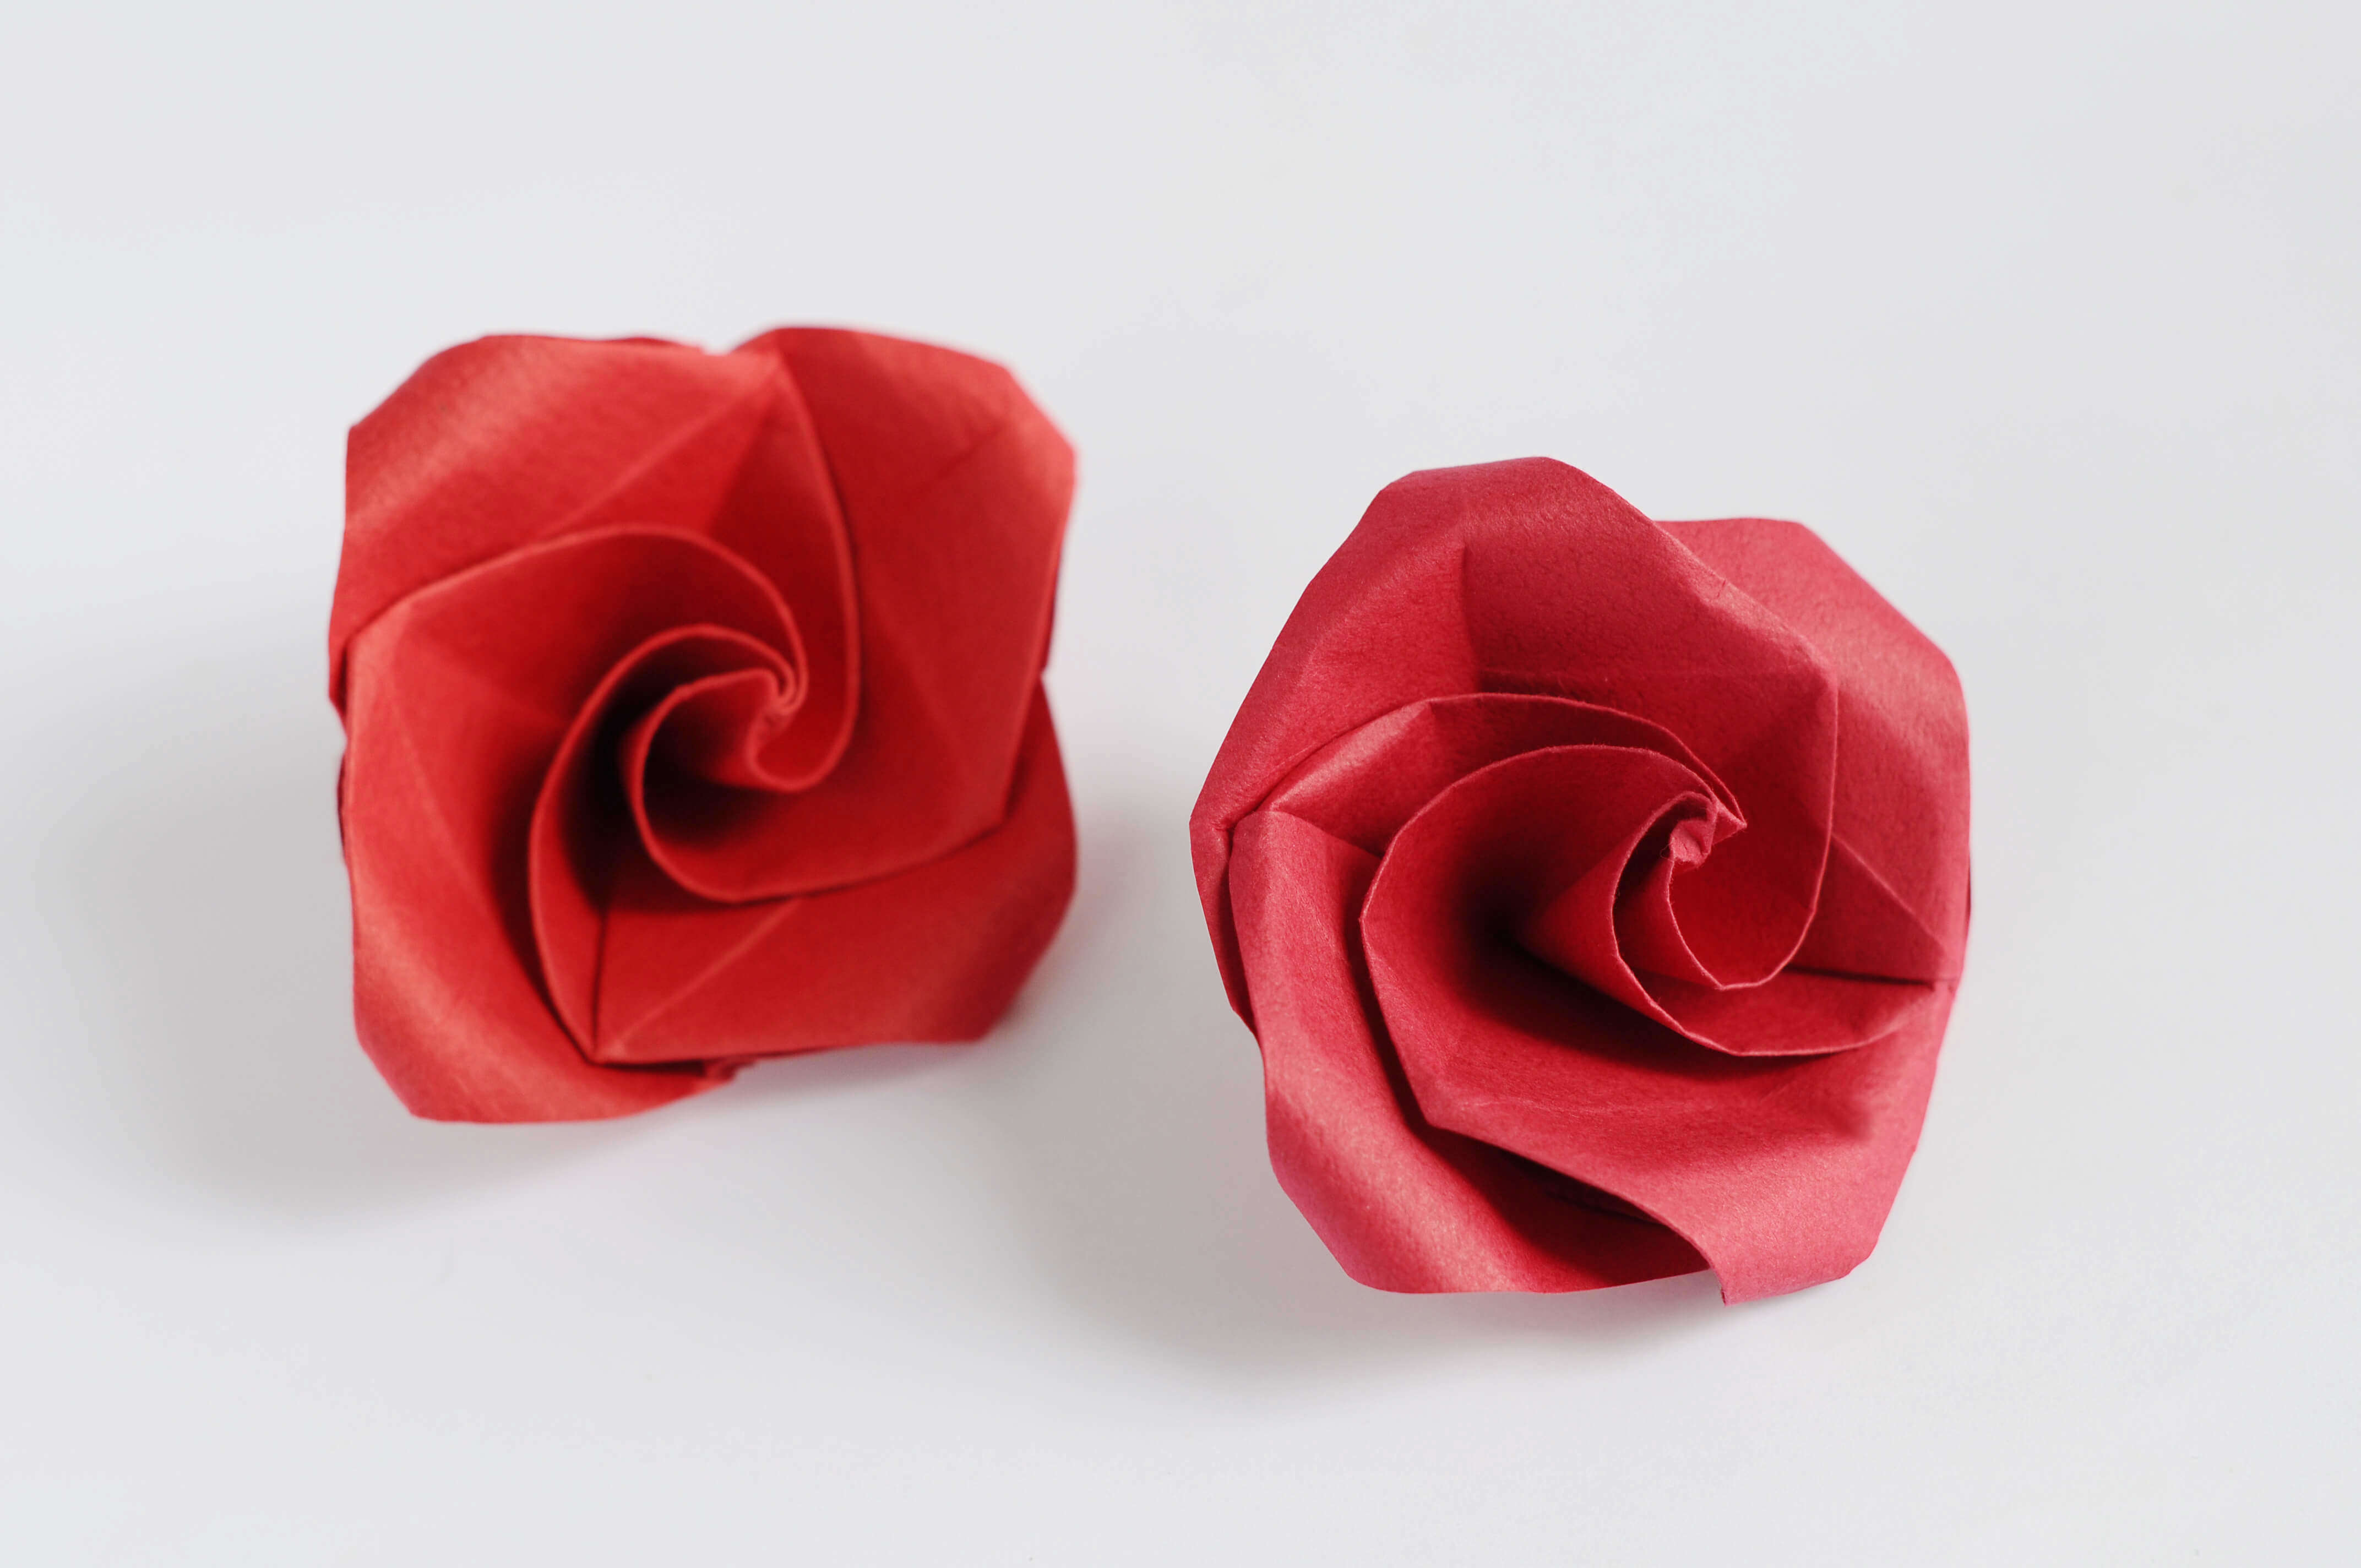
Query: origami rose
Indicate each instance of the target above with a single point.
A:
(693, 712)
(1596, 888)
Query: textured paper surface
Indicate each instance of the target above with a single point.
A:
(1596, 889)
(693, 712)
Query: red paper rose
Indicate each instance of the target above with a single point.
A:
(1596, 889)
(693, 711)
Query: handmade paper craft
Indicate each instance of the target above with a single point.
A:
(1596, 889)
(693, 712)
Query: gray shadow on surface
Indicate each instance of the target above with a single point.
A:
(196, 898)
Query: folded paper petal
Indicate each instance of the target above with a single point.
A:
(437, 794)
(1403, 1204)
(1894, 900)
(499, 442)
(1368, 784)
(1778, 1170)
(933, 953)
(954, 490)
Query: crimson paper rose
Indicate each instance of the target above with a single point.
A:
(1596, 889)
(693, 711)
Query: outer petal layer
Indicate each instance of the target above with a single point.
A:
(437, 790)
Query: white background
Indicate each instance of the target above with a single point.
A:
(2047, 315)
